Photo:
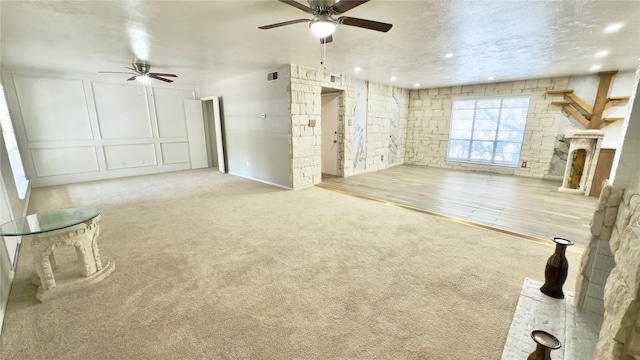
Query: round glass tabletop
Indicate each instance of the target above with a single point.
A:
(47, 221)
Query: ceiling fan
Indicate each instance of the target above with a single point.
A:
(324, 24)
(142, 74)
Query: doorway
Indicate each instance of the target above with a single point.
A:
(214, 132)
(330, 142)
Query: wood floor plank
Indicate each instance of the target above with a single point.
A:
(530, 206)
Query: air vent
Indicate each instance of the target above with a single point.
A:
(272, 76)
(336, 79)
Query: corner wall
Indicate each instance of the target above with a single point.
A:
(381, 105)
(257, 145)
(430, 115)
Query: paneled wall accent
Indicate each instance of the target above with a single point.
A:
(73, 128)
(171, 118)
(56, 161)
(306, 159)
(129, 155)
(123, 111)
(430, 114)
(43, 100)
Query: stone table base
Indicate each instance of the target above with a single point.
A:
(90, 268)
(68, 281)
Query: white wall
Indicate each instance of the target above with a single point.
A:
(626, 165)
(257, 147)
(74, 128)
(586, 87)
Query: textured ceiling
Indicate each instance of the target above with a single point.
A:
(205, 41)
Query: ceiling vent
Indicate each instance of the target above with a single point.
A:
(336, 79)
(272, 76)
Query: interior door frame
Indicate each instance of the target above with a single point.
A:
(332, 96)
(217, 123)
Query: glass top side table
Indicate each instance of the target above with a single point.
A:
(47, 221)
(77, 227)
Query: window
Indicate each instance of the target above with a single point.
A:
(488, 130)
(22, 184)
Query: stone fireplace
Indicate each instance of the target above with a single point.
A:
(584, 150)
(609, 278)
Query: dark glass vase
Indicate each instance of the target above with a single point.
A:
(555, 273)
(545, 343)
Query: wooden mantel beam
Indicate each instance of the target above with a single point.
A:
(601, 98)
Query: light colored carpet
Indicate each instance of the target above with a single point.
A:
(211, 266)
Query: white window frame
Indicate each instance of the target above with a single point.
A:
(495, 141)
(11, 143)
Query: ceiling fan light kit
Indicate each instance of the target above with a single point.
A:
(143, 79)
(323, 24)
(322, 28)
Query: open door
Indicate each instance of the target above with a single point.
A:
(204, 130)
(329, 131)
(217, 124)
(195, 133)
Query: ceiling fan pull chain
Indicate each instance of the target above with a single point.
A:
(323, 55)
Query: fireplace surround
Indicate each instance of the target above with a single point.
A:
(609, 277)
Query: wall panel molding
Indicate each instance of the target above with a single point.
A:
(76, 127)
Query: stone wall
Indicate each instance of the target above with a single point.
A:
(430, 113)
(306, 110)
(597, 259)
(615, 230)
(306, 105)
(381, 101)
(561, 147)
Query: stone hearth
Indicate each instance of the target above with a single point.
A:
(576, 330)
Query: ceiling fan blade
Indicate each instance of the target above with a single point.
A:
(132, 78)
(154, 76)
(115, 72)
(265, 27)
(297, 5)
(346, 5)
(161, 74)
(131, 69)
(364, 23)
(326, 40)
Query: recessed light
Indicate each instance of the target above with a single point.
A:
(594, 68)
(476, 69)
(357, 69)
(393, 78)
(491, 78)
(449, 54)
(416, 85)
(613, 28)
(602, 53)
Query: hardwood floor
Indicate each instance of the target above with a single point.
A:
(531, 207)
